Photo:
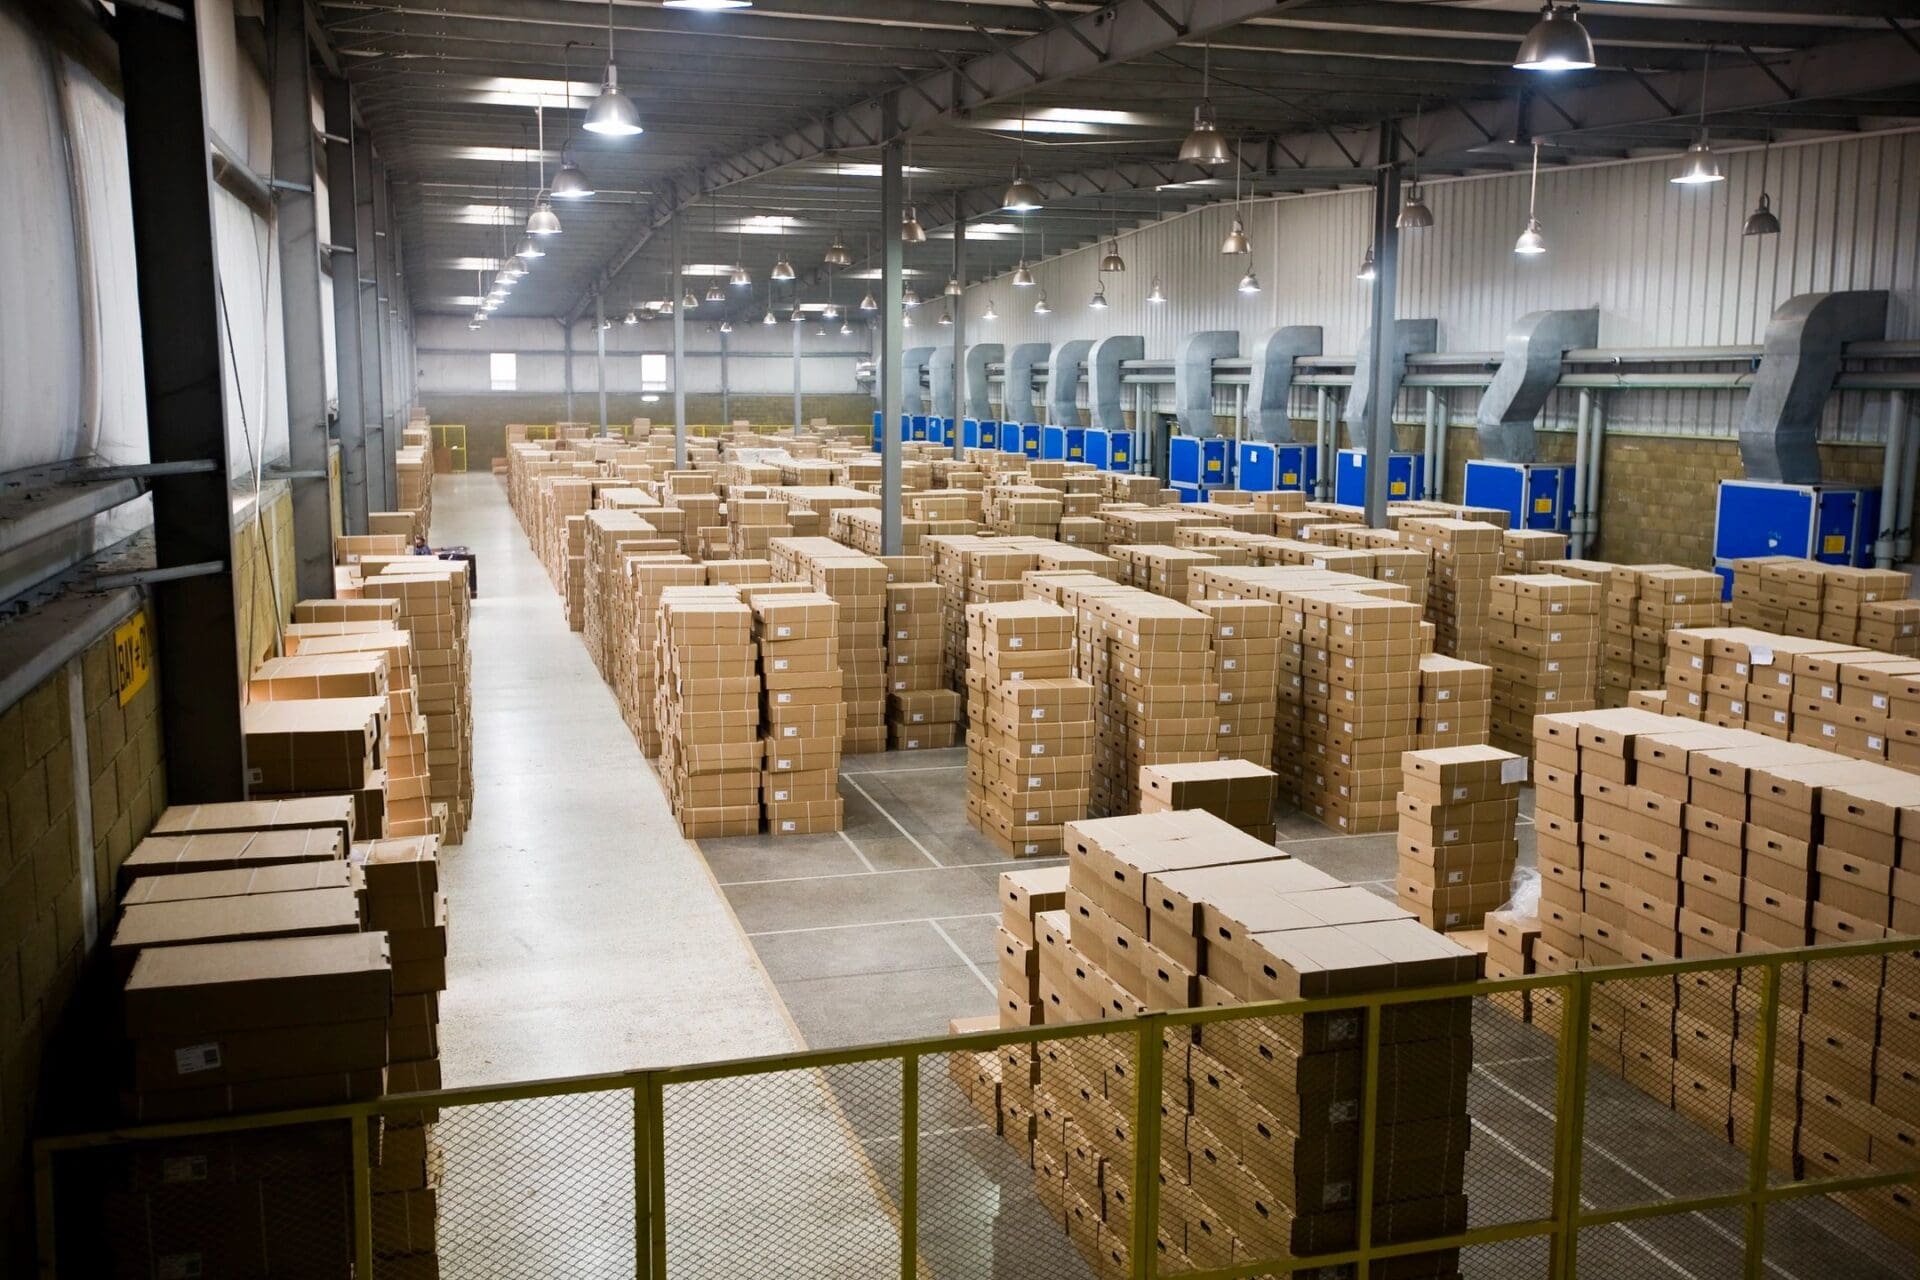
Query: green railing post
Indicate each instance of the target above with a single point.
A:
(642, 1189)
(1148, 1062)
(909, 1166)
(1369, 1128)
(1760, 1135)
(362, 1198)
(657, 1183)
(1570, 1123)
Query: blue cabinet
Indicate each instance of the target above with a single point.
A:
(1265, 468)
(1406, 477)
(1200, 464)
(1535, 495)
(1832, 523)
(975, 434)
(1069, 444)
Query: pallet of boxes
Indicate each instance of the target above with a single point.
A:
(803, 715)
(708, 711)
(1261, 1118)
(1458, 847)
(922, 712)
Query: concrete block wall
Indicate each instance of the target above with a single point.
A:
(486, 414)
(56, 796)
(264, 574)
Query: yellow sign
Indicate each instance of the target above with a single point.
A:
(132, 657)
(1397, 488)
(1544, 506)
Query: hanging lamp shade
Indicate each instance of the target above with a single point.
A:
(1249, 283)
(1041, 308)
(1022, 277)
(1366, 271)
(632, 317)
(543, 221)
(908, 298)
(1113, 263)
(612, 114)
(1022, 196)
(726, 326)
(837, 255)
(868, 302)
(1762, 222)
(475, 322)
(1204, 143)
(529, 249)
(911, 232)
(768, 319)
(846, 327)
(1557, 42)
(1099, 300)
(830, 312)
(954, 287)
(1414, 213)
(1156, 294)
(990, 313)
(716, 294)
(782, 270)
(946, 320)
(796, 317)
(689, 299)
(741, 276)
(1236, 241)
(1532, 241)
(569, 180)
(515, 268)
(1701, 166)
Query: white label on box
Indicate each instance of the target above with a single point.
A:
(1033, 815)
(1739, 668)
(1030, 847)
(788, 824)
(1828, 730)
(1037, 749)
(1554, 636)
(1034, 784)
(789, 730)
(1556, 606)
(255, 775)
(783, 698)
(919, 717)
(1697, 662)
(1760, 656)
(778, 796)
(196, 1057)
(1226, 695)
(1442, 726)
(1226, 729)
(1226, 631)
(1514, 770)
(783, 765)
(1443, 695)
(781, 633)
(1343, 1112)
(1455, 877)
(1879, 702)
(1229, 664)
(1780, 717)
(1553, 665)
(780, 664)
(176, 1169)
(1460, 793)
(1015, 642)
(1038, 713)
(1875, 743)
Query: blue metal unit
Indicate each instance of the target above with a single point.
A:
(1190, 492)
(918, 428)
(1029, 440)
(1535, 495)
(1200, 463)
(975, 434)
(1265, 468)
(1097, 441)
(1066, 443)
(1832, 523)
(1119, 451)
(906, 429)
(1406, 476)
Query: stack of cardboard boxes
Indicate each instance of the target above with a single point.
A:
(922, 712)
(320, 746)
(1546, 651)
(1838, 603)
(1030, 727)
(1246, 669)
(1466, 557)
(1160, 694)
(1024, 895)
(1456, 702)
(709, 712)
(1362, 680)
(802, 710)
(1236, 791)
(1644, 603)
(1458, 845)
(858, 584)
(649, 576)
(435, 607)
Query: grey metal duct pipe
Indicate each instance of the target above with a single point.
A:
(1530, 367)
(979, 397)
(940, 386)
(1269, 397)
(1410, 338)
(913, 362)
(1193, 378)
(1103, 377)
(1063, 382)
(1801, 358)
(1016, 388)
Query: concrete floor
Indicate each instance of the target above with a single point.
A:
(588, 936)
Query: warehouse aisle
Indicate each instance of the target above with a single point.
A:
(587, 935)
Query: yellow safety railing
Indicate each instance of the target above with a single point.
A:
(756, 1154)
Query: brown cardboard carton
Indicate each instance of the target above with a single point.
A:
(250, 985)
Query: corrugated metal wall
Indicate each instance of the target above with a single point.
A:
(1666, 265)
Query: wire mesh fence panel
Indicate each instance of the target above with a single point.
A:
(791, 1173)
(982, 1213)
(1685, 1246)
(1659, 1097)
(1862, 1235)
(1529, 1258)
(1512, 1108)
(531, 1186)
(273, 1201)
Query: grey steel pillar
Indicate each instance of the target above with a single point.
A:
(679, 367)
(297, 226)
(892, 333)
(383, 324)
(1386, 263)
(796, 366)
(349, 420)
(365, 274)
(959, 331)
(600, 356)
(726, 384)
(170, 181)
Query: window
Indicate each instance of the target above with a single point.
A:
(653, 371)
(502, 369)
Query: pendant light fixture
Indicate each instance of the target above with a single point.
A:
(1099, 300)
(846, 328)
(474, 323)
(782, 269)
(690, 300)
(726, 326)
(1414, 213)
(1156, 295)
(1204, 145)
(1022, 276)
(1113, 264)
(632, 317)
(1701, 166)
(1532, 241)
(836, 254)
(1366, 271)
(1041, 308)
(1249, 283)
(954, 288)
(796, 317)
(543, 221)
(909, 298)
(1022, 196)
(1557, 42)
(990, 313)
(1236, 241)
(911, 232)
(529, 249)
(946, 320)
(741, 278)
(1762, 222)
(569, 181)
(612, 114)
(716, 294)
(768, 319)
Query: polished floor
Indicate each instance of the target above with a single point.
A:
(588, 936)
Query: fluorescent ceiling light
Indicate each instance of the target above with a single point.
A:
(486, 214)
(1076, 120)
(873, 273)
(508, 155)
(470, 264)
(518, 91)
(707, 269)
(707, 6)
(872, 170)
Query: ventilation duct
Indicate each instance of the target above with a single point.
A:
(1268, 397)
(979, 398)
(913, 363)
(1063, 382)
(1103, 377)
(1410, 338)
(1016, 391)
(1781, 421)
(940, 382)
(1530, 365)
(1193, 378)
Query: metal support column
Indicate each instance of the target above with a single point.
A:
(600, 356)
(726, 381)
(349, 415)
(796, 327)
(566, 363)
(891, 330)
(959, 309)
(679, 365)
(390, 420)
(177, 276)
(1386, 254)
(372, 385)
(297, 225)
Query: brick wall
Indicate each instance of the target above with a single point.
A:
(46, 807)
(486, 414)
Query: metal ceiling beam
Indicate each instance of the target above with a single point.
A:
(1126, 30)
